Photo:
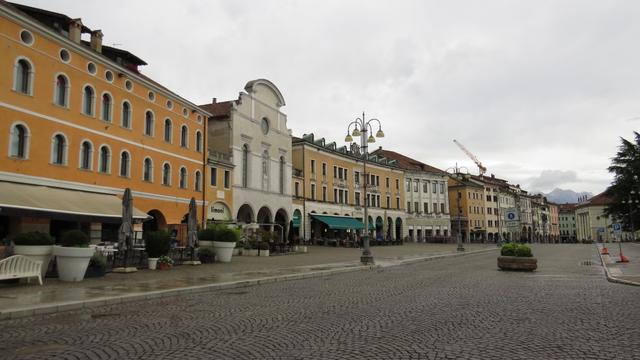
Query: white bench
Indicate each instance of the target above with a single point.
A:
(18, 266)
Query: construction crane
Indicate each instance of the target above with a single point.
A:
(481, 168)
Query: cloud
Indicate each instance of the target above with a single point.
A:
(551, 179)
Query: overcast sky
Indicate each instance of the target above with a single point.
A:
(540, 91)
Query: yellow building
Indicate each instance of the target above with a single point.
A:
(79, 117)
(467, 204)
(329, 180)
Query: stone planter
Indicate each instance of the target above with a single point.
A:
(72, 262)
(224, 250)
(237, 251)
(250, 252)
(263, 253)
(517, 263)
(36, 252)
(205, 243)
(94, 272)
(153, 263)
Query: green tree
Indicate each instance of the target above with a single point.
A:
(625, 167)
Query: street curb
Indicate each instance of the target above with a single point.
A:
(157, 294)
(610, 277)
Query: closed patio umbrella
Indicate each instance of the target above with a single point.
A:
(125, 233)
(192, 227)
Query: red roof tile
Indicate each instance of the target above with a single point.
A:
(219, 109)
(406, 162)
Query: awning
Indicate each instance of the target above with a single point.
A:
(24, 199)
(296, 221)
(371, 225)
(339, 222)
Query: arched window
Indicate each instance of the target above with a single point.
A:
(59, 150)
(148, 123)
(198, 181)
(88, 100)
(166, 174)
(184, 136)
(125, 161)
(126, 115)
(265, 170)
(183, 178)
(19, 141)
(167, 130)
(62, 90)
(245, 165)
(281, 173)
(106, 107)
(105, 160)
(86, 153)
(198, 141)
(147, 170)
(23, 77)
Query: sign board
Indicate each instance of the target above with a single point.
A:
(219, 211)
(617, 228)
(511, 215)
(600, 230)
(512, 224)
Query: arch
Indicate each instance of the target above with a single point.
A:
(182, 177)
(390, 228)
(198, 141)
(147, 169)
(250, 88)
(264, 216)
(379, 226)
(168, 130)
(398, 228)
(125, 163)
(125, 116)
(59, 149)
(88, 100)
(197, 179)
(23, 75)
(107, 107)
(104, 163)
(282, 219)
(86, 155)
(157, 222)
(19, 140)
(166, 173)
(296, 225)
(184, 136)
(61, 90)
(245, 214)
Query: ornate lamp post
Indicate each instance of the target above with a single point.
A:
(457, 174)
(362, 127)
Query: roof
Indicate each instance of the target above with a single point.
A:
(599, 200)
(56, 21)
(406, 162)
(567, 207)
(491, 180)
(219, 109)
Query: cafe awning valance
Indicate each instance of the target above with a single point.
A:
(339, 222)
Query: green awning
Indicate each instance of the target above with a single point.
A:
(371, 225)
(296, 221)
(339, 222)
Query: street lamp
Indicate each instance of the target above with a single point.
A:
(362, 127)
(457, 174)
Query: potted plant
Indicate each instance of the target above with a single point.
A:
(208, 235)
(157, 244)
(35, 245)
(263, 248)
(224, 242)
(73, 256)
(206, 255)
(516, 257)
(164, 262)
(238, 249)
(97, 266)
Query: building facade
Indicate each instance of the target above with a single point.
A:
(252, 133)
(328, 187)
(79, 117)
(467, 204)
(554, 223)
(591, 222)
(427, 199)
(567, 223)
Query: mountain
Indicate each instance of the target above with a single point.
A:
(560, 196)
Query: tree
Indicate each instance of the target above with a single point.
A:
(625, 186)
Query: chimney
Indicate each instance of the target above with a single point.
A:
(214, 100)
(75, 30)
(96, 40)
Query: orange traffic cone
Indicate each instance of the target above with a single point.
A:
(623, 259)
(605, 251)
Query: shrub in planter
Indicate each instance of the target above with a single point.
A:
(157, 243)
(35, 245)
(263, 245)
(164, 262)
(508, 249)
(523, 250)
(206, 255)
(73, 256)
(209, 234)
(517, 257)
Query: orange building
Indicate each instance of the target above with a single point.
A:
(79, 117)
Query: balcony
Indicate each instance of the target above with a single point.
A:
(298, 172)
(219, 157)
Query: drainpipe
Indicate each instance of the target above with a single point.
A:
(205, 151)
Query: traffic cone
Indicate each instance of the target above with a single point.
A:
(605, 251)
(623, 259)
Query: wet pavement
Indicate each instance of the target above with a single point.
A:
(55, 295)
(629, 271)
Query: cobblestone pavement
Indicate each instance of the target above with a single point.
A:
(625, 271)
(449, 308)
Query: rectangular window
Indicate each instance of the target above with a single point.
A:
(435, 207)
(397, 184)
(377, 181)
(434, 187)
(296, 190)
(426, 208)
(488, 197)
(324, 169)
(495, 199)
(335, 172)
(356, 177)
(341, 197)
(368, 199)
(324, 193)
(357, 195)
(387, 182)
(335, 195)
(388, 202)
(425, 187)
(346, 196)
(227, 178)
(378, 200)
(313, 191)
(408, 186)
(313, 166)
(339, 173)
(442, 208)
(398, 203)
(409, 206)
(489, 211)
(214, 177)
(373, 180)
(416, 185)
(416, 206)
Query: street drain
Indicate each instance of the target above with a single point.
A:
(586, 263)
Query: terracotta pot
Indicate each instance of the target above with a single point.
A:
(163, 266)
